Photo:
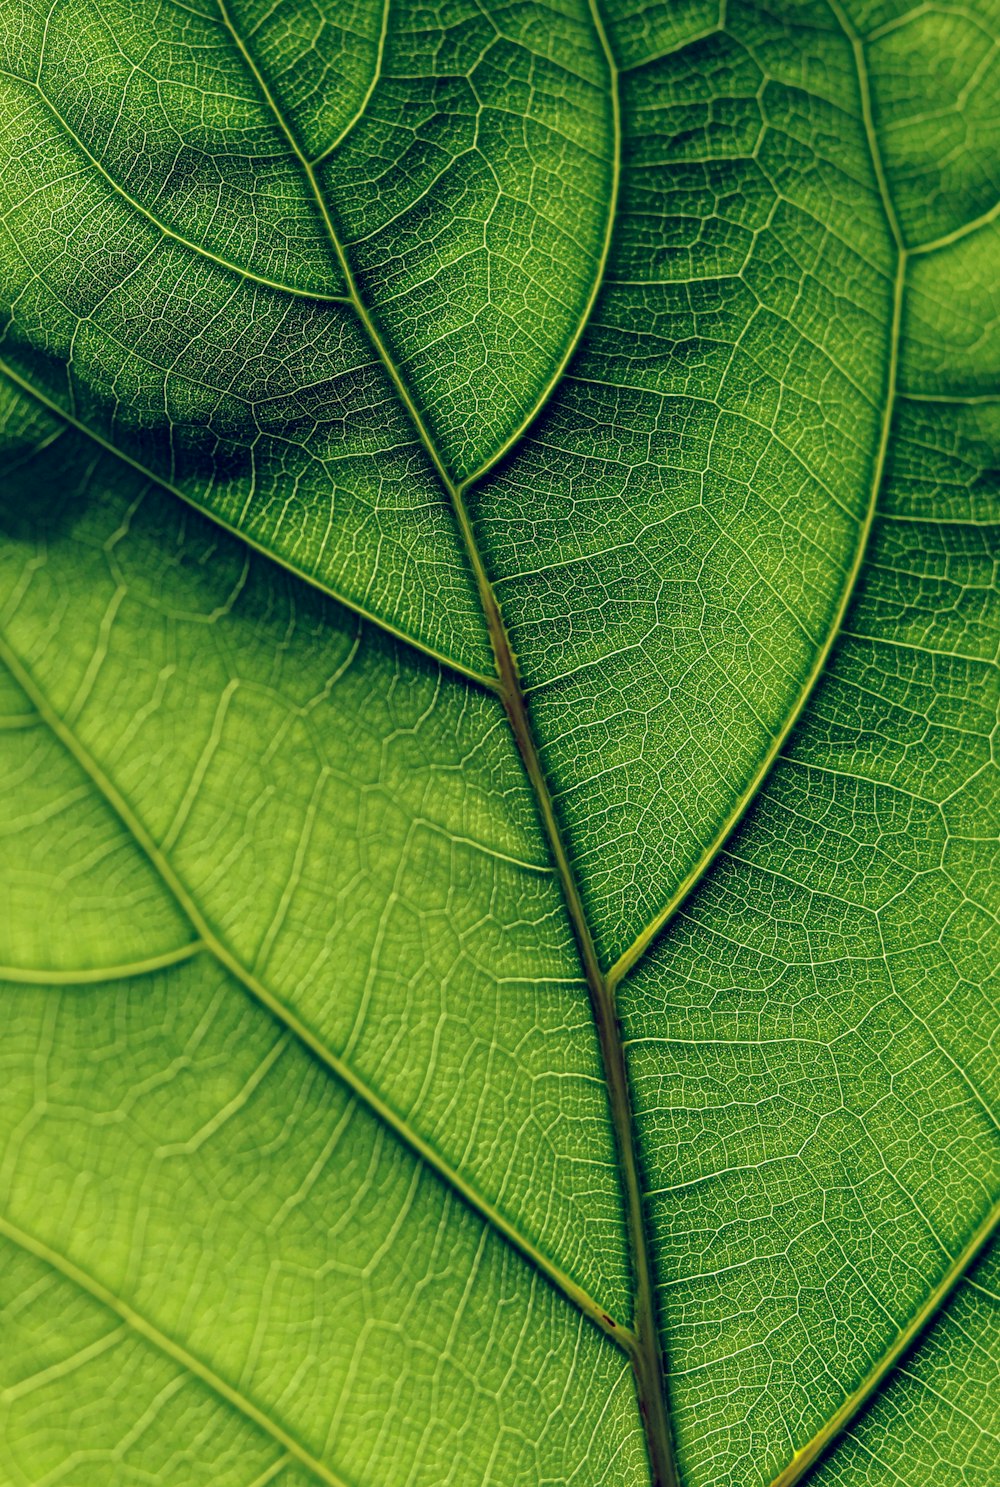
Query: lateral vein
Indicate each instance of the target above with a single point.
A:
(320, 295)
(166, 1345)
(559, 370)
(359, 111)
(96, 975)
(901, 1343)
(644, 1348)
(634, 953)
(284, 1015)
(448, 662)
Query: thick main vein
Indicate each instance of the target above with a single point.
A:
(641, 1341)
(343, 1071)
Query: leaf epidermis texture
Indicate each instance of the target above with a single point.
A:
(657, 345)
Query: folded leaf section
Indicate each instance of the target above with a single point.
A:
(91, 1396)
(269, 410)
(272, 413)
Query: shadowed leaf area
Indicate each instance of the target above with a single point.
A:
(498, 795)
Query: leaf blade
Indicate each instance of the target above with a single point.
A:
(462, 896)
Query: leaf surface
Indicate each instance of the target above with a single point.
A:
(500, 899)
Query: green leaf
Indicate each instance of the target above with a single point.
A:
(499, 634)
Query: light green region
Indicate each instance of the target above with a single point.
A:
(371, 860)
(535, 821)
(354, 1315)
(322, 61)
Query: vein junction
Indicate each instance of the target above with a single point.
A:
(639, 1338)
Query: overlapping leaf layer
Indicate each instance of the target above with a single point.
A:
(499, 632)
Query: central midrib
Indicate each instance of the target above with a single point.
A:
(640, 1341)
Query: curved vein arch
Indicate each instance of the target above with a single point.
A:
(479, 678)
(806, 1458)
(358, 114)
(559, 370)
(601, 987)
(100, 975)
(630, 957)
(340, 255)
(908, 1335)
(168, 232)
(210, 943)
(171, 1349)
(985, 219)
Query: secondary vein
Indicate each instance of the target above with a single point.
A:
(166, 1345)
(168, 232)
(634, 952)
(480, 679)
(641, 1341)
(359, 111)
(209, 940)
(810, 1453)
(559, 370)
(98, 975)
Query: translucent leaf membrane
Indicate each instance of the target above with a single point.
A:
(346, 823)
(813, 1041)
(337, 1262)
(938, 1419)
(308, 1171)
(474, 198)
(672, 541)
